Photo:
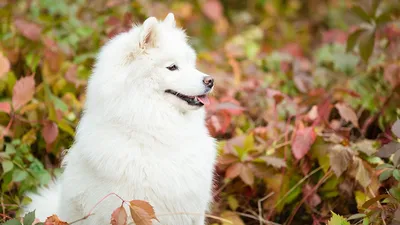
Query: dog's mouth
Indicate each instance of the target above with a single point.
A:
(198, 100)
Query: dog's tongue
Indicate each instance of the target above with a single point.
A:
(203, 99)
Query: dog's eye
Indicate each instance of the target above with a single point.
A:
(172, 67)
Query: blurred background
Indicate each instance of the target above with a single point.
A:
(305, 107)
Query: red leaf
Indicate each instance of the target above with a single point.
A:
(142, 212)
(119, 216)
(50, 131)
(5, 107)
(234, 170)
(213, 10)
(347, 113)
(227, 159)
(302, 142)
(4, 65)
(29, 30)
(23, 91)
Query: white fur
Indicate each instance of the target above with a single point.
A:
(134, 139)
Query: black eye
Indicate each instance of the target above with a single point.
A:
(172, 67)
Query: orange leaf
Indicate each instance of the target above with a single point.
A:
(234, 170)
(119, 216)
(4, 65)
(142, 212)
(28, 29)
(50, 131)
(23, 91)
(347, 113)
(54, 220)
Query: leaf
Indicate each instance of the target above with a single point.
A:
(233, 170)
(384, 17)
(213, 9)
(233, 202)
(23, 91)
(396, 128)
(4, 65)
(142, 212)
(384, 166)
(50, 132)
(5, 107)
(233, 217)
(347, 113)
(366, 46)
(366, 146)
(360, 12)
(385, 175)
(370, 202)
(29, 30)
(340, 158)
(119, 216)
(357, 216)
(12, 222)
(230, 107)
(29, 218)
(302, 142)
(352, 39)
(337, 220)
(7, 166)
(54, 220)
(274, 161)
(227, 159)
(247, 175)
(362, 175)
(19, 175)
(396, 174)
(389, 149)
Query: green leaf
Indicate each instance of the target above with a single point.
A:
(353, 38)
(384, 166)
(7, 166)
(233, 202)
(357, 216)
(58, 103)
(385, 175)
(360, 12)
(384, 17)
(12, 222)
(396, 174)
(337, 220)
(366, 45)
(29, 218)
(19, 175)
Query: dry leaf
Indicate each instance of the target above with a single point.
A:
(233, 170)
(142, 212)
(119, 216)
(347, 113)
(274, 161)
(54, 220)
(340, 158)
(4, 65)
(23, 91)
(247, 175)
(361, 175)
(233, 217)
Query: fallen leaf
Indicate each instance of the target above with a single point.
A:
(119, 216)
(366, 146)
(347, 113)
(50, 132)
(54, 220)
(396, 128)
(4, 65)
(29, 30)
(302, 141)
(142, 212)
(23, 91)
(361, 175)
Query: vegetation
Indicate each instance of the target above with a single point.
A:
(306, 106)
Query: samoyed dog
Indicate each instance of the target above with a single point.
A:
(142, 134)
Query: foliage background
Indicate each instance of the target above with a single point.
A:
(305, 106)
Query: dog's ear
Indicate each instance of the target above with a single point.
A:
(170, 20)
(148, 34)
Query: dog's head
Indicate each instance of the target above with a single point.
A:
(150, 64)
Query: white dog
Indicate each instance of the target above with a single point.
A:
(142, 134)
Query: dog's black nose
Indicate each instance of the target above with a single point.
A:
(208, 81)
